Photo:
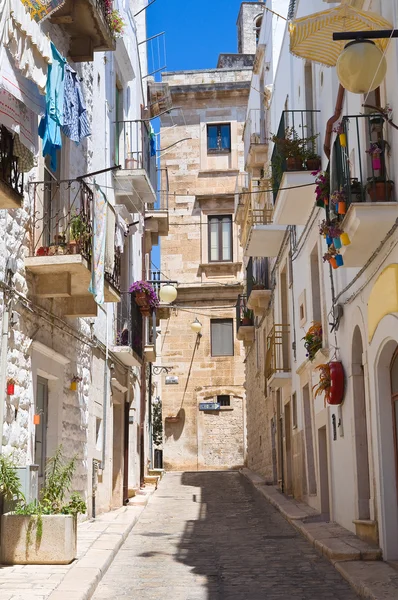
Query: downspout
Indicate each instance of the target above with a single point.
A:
(126, 443)
(329, 126)
(105, 398)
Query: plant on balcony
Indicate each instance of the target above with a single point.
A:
(313, 340)
(339, 130)
(312, 159)
(122, 337)
(379, 189)
(145, 296)
(322, 189)
(257, 285)
(338, 200)
(325, 381)
(116, 23)
(78, 233)
(291, 147)
(247, 319)
(375, 151)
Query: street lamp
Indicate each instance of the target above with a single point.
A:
(168, 293)
(361, 67)
(196, 326)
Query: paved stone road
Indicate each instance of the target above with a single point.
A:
(211, 536)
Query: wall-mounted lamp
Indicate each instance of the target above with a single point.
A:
(168, 293)
(196, 327)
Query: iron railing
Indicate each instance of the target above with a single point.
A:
(302, 123)
(134, 148)
(244, 316)
(355, 171)
(9, 172)
(277, 358)
(255, 130)
(257, 275)
(63, 222)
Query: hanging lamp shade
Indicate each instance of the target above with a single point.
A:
(311, 37)
(168, 293)
(361, 67)
(196, 326)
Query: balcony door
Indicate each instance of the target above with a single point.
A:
(41, 428)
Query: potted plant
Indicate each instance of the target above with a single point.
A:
(247, 319)
(379, 189)
(313, 340)
(322, 189)
(339, 202)
(323, 386)
(375, 151)
(256, 285)
(313, 161)
(42, 532)
(116, 23)
(291, 147)
(77, 233)
(331, 382)
(339, 129)
(145, 296)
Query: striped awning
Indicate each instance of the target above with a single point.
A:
(311, 37)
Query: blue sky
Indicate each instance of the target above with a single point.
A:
(196, 32)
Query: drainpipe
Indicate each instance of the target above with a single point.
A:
(105, 398)
(126, 443)
(337, 114)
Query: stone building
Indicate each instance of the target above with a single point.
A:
(78, 366)
(203, 396)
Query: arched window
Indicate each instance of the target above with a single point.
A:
(257, 27)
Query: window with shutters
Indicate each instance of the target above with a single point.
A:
(220, 238)
(222, 337)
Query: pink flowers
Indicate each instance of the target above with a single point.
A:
(115, 22)
(322, 189)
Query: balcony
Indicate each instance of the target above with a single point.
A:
(277, 360)
(160, 100)
(292, 179)
(242, 197)
(136, 181)
(60, 247)
(363, 177)
(258, 234)
(87, 24)
(244, 322)
(11, 179)
(258, 285)
(255, 140)
(129, 337)
(157, 216)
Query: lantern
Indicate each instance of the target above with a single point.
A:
(168, 293)
(361, 67)
(196, 326)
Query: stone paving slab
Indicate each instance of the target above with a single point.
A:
(372, 580)
(98, 541)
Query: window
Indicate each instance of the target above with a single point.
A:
(220, 238)
(224, 400)
(222, 339)
(218, 138)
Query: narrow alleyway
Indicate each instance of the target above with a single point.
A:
(210, 536)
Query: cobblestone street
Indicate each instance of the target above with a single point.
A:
(211, 536)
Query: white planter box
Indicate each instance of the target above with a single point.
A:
(57, 545)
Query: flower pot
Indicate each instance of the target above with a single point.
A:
(329, 240)
(10, 389)
(376, 163)
(343, 140)
(342, 208)
(333, 262)
(73, 247)
(380, 191)
(336, 391)
(345, 239)
(246, 322)
(313, 164)
(294, 164)
(141, 299)
(36, 419)
(337, 243)
(339, 260)
(145, 311)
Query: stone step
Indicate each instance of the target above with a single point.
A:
(153, 479)
(157, 472)
(372, 580)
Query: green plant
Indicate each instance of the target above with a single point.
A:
(10, 486)
(116, 23)
(291, 145)
(157, 424)
(248, 314)
(325, 381)
(78, 227)
(58, 481)
(75, 505)
(313, 340)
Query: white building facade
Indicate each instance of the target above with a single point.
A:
(341, 459)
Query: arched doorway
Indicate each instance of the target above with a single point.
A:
(360, 429)
(387, 384)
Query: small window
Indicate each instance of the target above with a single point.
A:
(224, 400)
(220, 238)
(218, 138)
(222, 337)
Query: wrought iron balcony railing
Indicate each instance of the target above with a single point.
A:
(244, 316)
(360, 160)
(129, 325)
(62, 222)
(134, 148)
(277, 358)
(297, 132)
(9, 172)
(257, 275)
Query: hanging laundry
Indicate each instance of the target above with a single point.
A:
(76, 125)
(152, 140)
(28, 45)
(99, 242)
(21, 88)
(42, 9)
(121, 233)
(19, 119)
(51, 123)
(26, 160)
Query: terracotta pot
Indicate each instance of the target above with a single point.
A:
(294, 164)
(141, 299)
(313, 164)
(380, 191)
(145, 311)
(73, 247)
(246, 322)
(342, 208)
(336, 392)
